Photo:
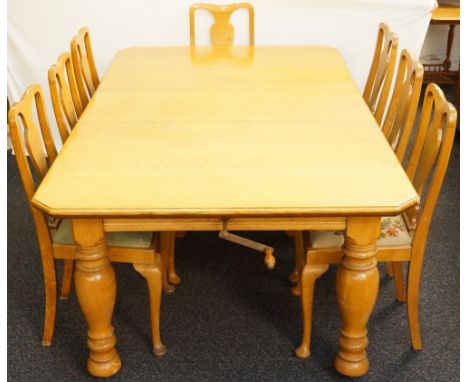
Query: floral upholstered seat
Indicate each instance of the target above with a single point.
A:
(393, 233)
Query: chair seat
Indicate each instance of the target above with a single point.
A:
(393, 233)
(115, 239)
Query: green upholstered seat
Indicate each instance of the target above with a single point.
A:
(62, 235)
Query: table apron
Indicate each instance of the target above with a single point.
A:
(216, 224)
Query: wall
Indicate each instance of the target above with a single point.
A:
(38, 31)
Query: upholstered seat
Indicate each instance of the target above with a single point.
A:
(393, 233)
(62, 235)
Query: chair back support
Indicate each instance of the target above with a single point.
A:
(222, 31)
(32, 139)
(380, 76)
(86, 75)
(399, 121)
(66, 100)
(429, 158)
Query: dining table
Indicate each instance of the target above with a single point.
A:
(261, 138)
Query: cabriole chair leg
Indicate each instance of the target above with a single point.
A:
(310, 274)
(152, 274)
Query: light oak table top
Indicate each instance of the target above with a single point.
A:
(263, 131)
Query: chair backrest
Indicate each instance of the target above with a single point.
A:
(33, 139)
(429, 158)
(222, 31)
(380, 76)
(400, 117)
(86, 75)
(66, 100)
(28, 138)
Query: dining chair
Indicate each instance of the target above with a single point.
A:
(68, 107)
(66, 100)
(399, 121)
(221, 34)
(222, 31)
(380, 77)
(84, 67)
(56, 243)
(87, 81)
(403, 238)
(376, 93)
(397, 128)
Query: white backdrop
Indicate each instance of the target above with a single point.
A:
(38, 31)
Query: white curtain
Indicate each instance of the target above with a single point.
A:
(38, 31)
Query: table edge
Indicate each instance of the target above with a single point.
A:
(228, 212)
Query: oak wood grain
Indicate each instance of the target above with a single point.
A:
(237, 130)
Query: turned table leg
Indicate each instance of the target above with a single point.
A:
(96, 291)
(357, 286)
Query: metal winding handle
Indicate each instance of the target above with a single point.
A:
(269, 259)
